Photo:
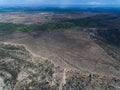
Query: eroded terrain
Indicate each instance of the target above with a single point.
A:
(81, 57)
(20, 70)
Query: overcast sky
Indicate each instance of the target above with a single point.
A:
(59, 2)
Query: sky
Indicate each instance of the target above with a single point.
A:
(59, 2)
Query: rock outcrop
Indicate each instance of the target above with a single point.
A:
(20, 70)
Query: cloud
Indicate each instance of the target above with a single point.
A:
(94, 3)
(30, 2)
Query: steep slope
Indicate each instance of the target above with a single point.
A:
(71, 48)
(20, 71)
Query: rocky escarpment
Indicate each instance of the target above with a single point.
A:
(21, 70)
(110, 36)
(109, 40)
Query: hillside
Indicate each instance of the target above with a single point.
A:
(20, 70)
(60, 53)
